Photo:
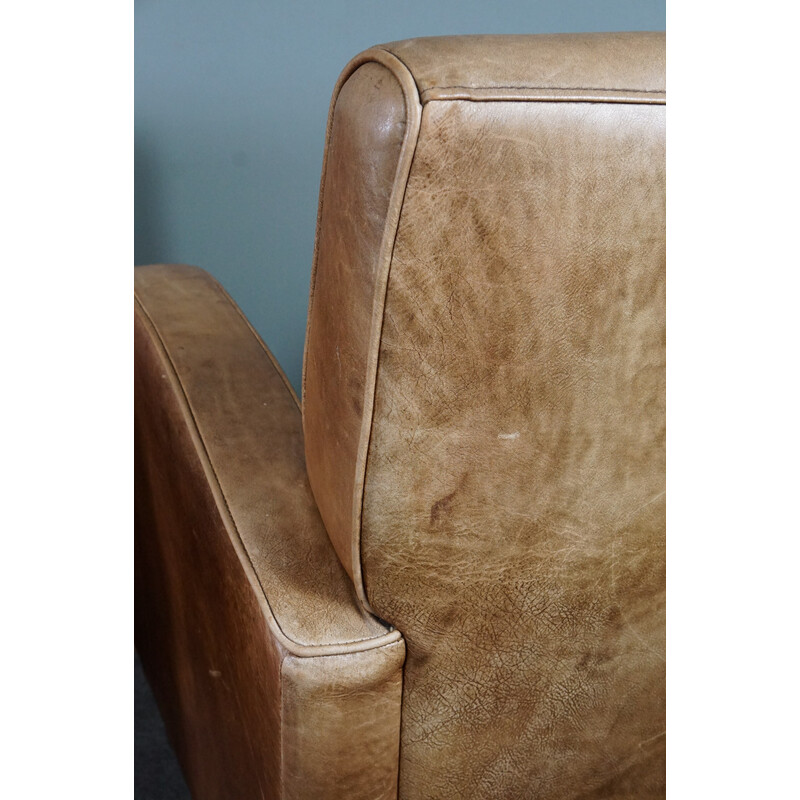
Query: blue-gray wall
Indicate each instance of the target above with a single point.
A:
(231, 106)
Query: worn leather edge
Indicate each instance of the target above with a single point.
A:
(290, 645)
(413, 108)
(420, 62)
(542, 95)
(378, 773)
(394, 65)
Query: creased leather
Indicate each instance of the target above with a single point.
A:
(235, 575)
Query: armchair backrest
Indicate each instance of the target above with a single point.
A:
(484, 403)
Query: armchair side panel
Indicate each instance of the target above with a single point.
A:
(272, 680)
(199, 629)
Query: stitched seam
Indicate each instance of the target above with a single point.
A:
(356, 653)
(377, 369)
(172, 367)
(632, 101)
(547, 89)
(526, 95)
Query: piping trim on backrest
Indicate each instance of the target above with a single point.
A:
(413, 109)
(547, 95)
(413, 120)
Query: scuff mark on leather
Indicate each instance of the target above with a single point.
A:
(443, 504)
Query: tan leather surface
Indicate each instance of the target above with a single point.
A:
(316, 692)
(207, 651)
(366, 131)
(511, 519)
(631, 62)
(244, 613)
(513, 514)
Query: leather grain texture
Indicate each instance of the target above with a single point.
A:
(510, 519)
(245, 620)
(513, 511)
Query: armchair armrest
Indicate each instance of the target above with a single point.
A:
(272, 679)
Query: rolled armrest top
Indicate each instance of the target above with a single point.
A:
(246, 427)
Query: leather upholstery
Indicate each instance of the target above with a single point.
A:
(479, 67)
(246, 623)
(366, 132)
(507, 509)
(483, 427)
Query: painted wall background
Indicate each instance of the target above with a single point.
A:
(231, 106)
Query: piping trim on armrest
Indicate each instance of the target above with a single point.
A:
(289, 644)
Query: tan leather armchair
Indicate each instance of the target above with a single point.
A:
(442, 575)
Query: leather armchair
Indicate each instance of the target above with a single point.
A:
(442, 574)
